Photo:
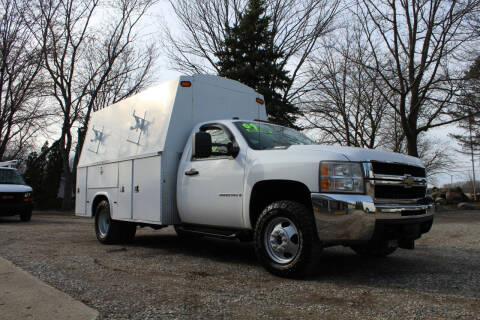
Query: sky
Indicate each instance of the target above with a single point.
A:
(462, 165)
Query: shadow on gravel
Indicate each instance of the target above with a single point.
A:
(430, 270)
(228, 251)
(423, 270)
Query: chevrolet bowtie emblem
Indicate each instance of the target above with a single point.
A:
(408, 181)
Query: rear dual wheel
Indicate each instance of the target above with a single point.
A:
(110, 231)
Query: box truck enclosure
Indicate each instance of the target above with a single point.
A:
(132, 148)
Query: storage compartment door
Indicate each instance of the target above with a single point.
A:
(124, 203)
(146, 189)
(103, 176)
(81, 192)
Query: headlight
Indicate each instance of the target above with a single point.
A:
(27, 195)
(341, 177)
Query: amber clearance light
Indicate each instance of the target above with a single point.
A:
(186, 84)
(260, 101)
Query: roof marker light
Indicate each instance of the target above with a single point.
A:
(186, 84)
(260, 101)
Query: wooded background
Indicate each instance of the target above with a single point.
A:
(373, 74)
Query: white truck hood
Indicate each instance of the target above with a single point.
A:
(360, 154)
(14, 188)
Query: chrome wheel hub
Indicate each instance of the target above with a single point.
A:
(282, 240)
(103, 223)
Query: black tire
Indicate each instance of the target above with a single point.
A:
(286, 224)
(375, 250)
(26, 215)
(128, 231)
(109, 231)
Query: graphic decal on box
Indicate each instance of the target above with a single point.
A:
(97, 140)
(139, 128)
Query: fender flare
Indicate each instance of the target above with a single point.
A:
(102, 194)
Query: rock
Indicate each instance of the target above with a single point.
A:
(436, 195)
(454, 197)
(465, 206)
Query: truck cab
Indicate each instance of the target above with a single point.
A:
(280, 187)
(244, 178)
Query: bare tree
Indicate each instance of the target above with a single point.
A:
(83, 63)
(345, 102)
(435, 155)
(297, 25)
(22, 112)
(414, 44)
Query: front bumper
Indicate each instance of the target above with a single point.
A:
(10, 209)
(342, 218)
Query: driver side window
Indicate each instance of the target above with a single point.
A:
(220, 141)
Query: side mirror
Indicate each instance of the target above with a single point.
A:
(232, 150)
(202, 145)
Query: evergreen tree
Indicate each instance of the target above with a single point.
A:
(53, 174)
(43, 173)
(470, 106)
(35, 174)
(249, 55)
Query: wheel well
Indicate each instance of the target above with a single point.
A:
(96, 201)
(266, 192)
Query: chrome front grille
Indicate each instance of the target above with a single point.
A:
(397, 169)
(398, 192)
(395, 182)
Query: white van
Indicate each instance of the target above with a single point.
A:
(15, 196)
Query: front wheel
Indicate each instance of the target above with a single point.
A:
(26, 215)
(285, 239)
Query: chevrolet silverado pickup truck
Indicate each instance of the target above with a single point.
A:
(197, 153)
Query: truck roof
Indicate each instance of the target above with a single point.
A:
(161, 117)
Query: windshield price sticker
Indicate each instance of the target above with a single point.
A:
(251, 127)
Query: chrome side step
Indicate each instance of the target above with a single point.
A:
(222, 234)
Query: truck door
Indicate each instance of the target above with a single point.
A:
(211, 189)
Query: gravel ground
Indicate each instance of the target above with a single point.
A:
(161, 276)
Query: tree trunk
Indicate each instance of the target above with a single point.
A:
(412, 147)
(67, 189)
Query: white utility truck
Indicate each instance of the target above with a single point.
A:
(197, 153)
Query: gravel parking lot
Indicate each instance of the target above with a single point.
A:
(161, 276)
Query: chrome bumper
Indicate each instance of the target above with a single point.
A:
(341, 217)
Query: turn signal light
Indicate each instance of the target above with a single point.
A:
(324, 170)
(325, 184)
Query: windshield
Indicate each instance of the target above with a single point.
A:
(261, 136)
(10, 176)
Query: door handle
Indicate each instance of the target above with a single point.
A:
(191, 172)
